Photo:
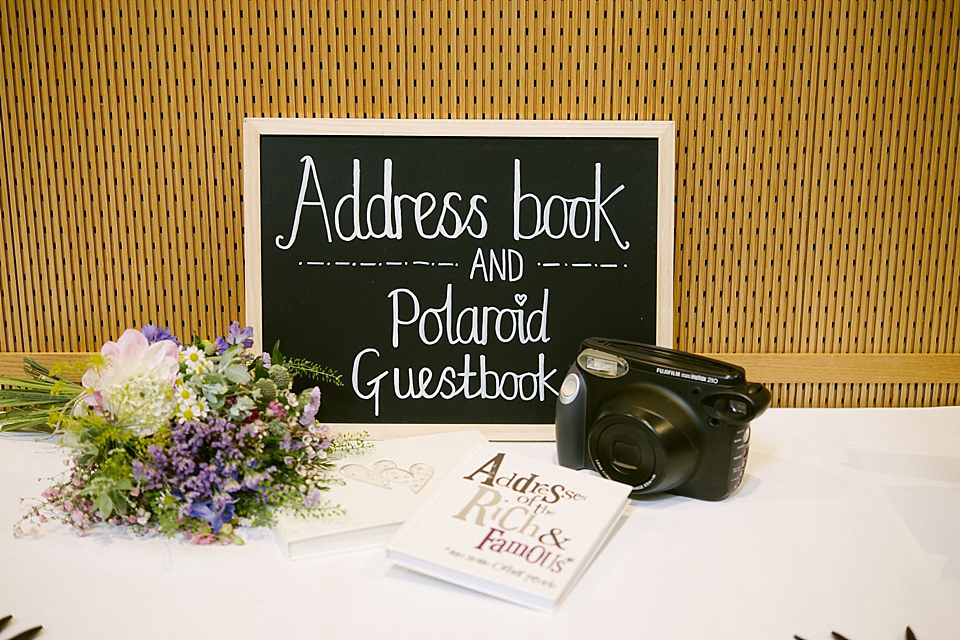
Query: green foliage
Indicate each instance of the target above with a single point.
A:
(165, 512)
(313, 371)
(107, 451)
(108, 493)
(298, 367)
(281, 377)
(267, 389)
(38, 403)
(231, 366)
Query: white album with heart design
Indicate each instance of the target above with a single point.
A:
(381, 488)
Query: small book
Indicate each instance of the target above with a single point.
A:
(510, 526)
(381, 487)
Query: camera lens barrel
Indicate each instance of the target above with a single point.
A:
(648, 451)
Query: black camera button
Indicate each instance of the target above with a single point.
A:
(755, 387)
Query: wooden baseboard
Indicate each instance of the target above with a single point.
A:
(853, 368)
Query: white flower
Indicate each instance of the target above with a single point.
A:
(184, 394)
(193, 408)
(193, 412)
(195, 359)
(135, 383)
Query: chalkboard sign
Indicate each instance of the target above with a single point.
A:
(450, 269)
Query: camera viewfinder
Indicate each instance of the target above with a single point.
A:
(739, 407)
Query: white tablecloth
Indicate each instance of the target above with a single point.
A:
(848, 520)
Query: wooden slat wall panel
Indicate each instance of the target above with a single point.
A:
(817, 198)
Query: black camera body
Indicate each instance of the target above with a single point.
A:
(657, 419)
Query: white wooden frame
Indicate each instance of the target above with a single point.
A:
(664, 132)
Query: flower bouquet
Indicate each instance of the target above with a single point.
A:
(165, 438)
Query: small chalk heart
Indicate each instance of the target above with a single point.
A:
(521, 298)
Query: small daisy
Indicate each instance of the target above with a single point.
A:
(190, 413)
(195, 359)
(184, 395)
(195, 410)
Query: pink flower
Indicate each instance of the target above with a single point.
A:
(135, 384)
(275, 409)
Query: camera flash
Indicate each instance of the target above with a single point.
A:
(602, 364)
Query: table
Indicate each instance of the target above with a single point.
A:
(847, 520)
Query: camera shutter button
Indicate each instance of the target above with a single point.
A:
(569, 388)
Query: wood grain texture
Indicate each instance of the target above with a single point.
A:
(816, 180)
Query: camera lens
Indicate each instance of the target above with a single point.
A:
(627, 456)
(641, 449)
(624, 453)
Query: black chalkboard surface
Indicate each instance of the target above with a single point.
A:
(450, 269)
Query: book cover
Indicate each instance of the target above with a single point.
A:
(382, 487)
(511, 527)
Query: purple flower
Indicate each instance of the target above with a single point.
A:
(140, 471)
(310, 411)
(153, 333)
(235, 335)
(252, 481)
(313, 498)
(265, 357)
(216, 517)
